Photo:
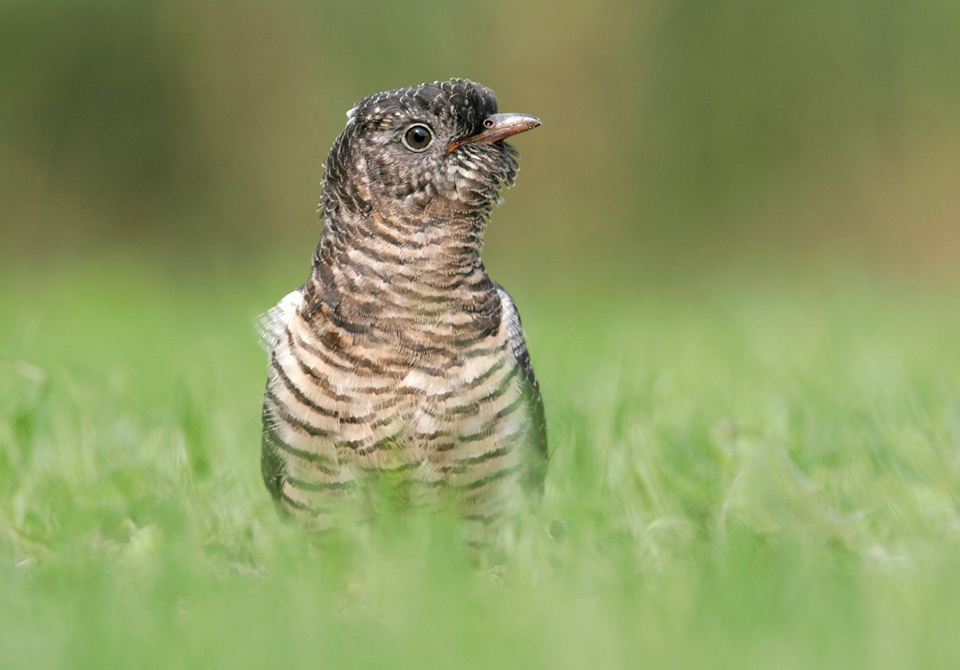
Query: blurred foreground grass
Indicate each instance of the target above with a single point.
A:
(752, 476)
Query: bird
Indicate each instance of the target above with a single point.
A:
(400, 359)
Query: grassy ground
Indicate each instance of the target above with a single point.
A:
(756, 476)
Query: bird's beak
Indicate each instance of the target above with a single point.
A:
(499, 127)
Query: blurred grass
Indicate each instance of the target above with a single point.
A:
(751, 475)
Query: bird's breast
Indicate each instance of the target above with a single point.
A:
(381, 406)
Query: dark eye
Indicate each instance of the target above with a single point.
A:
(418, 137)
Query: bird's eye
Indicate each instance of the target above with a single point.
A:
(418, 137)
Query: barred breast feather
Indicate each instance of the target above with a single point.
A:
(451, 413)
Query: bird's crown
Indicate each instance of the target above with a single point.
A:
(459, 102)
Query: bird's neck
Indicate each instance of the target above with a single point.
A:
(419, 269)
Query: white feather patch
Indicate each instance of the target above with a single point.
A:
(270, 324)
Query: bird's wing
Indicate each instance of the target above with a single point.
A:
(271, 323)
(270, 327)
(537, 467)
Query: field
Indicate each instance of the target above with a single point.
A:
(747, 475)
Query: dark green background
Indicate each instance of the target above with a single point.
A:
(684, 137)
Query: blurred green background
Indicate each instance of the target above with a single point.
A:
(735, 244)
(678, 136)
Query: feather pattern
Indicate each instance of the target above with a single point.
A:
(400, 359)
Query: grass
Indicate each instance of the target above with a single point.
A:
(749, 476)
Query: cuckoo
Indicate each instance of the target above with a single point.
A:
(400, 359)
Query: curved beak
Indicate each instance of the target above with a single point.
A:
(498, 127)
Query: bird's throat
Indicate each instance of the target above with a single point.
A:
(404, 274)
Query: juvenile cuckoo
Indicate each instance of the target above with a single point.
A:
(400, 358)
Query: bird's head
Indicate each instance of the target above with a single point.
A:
(436, 149)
